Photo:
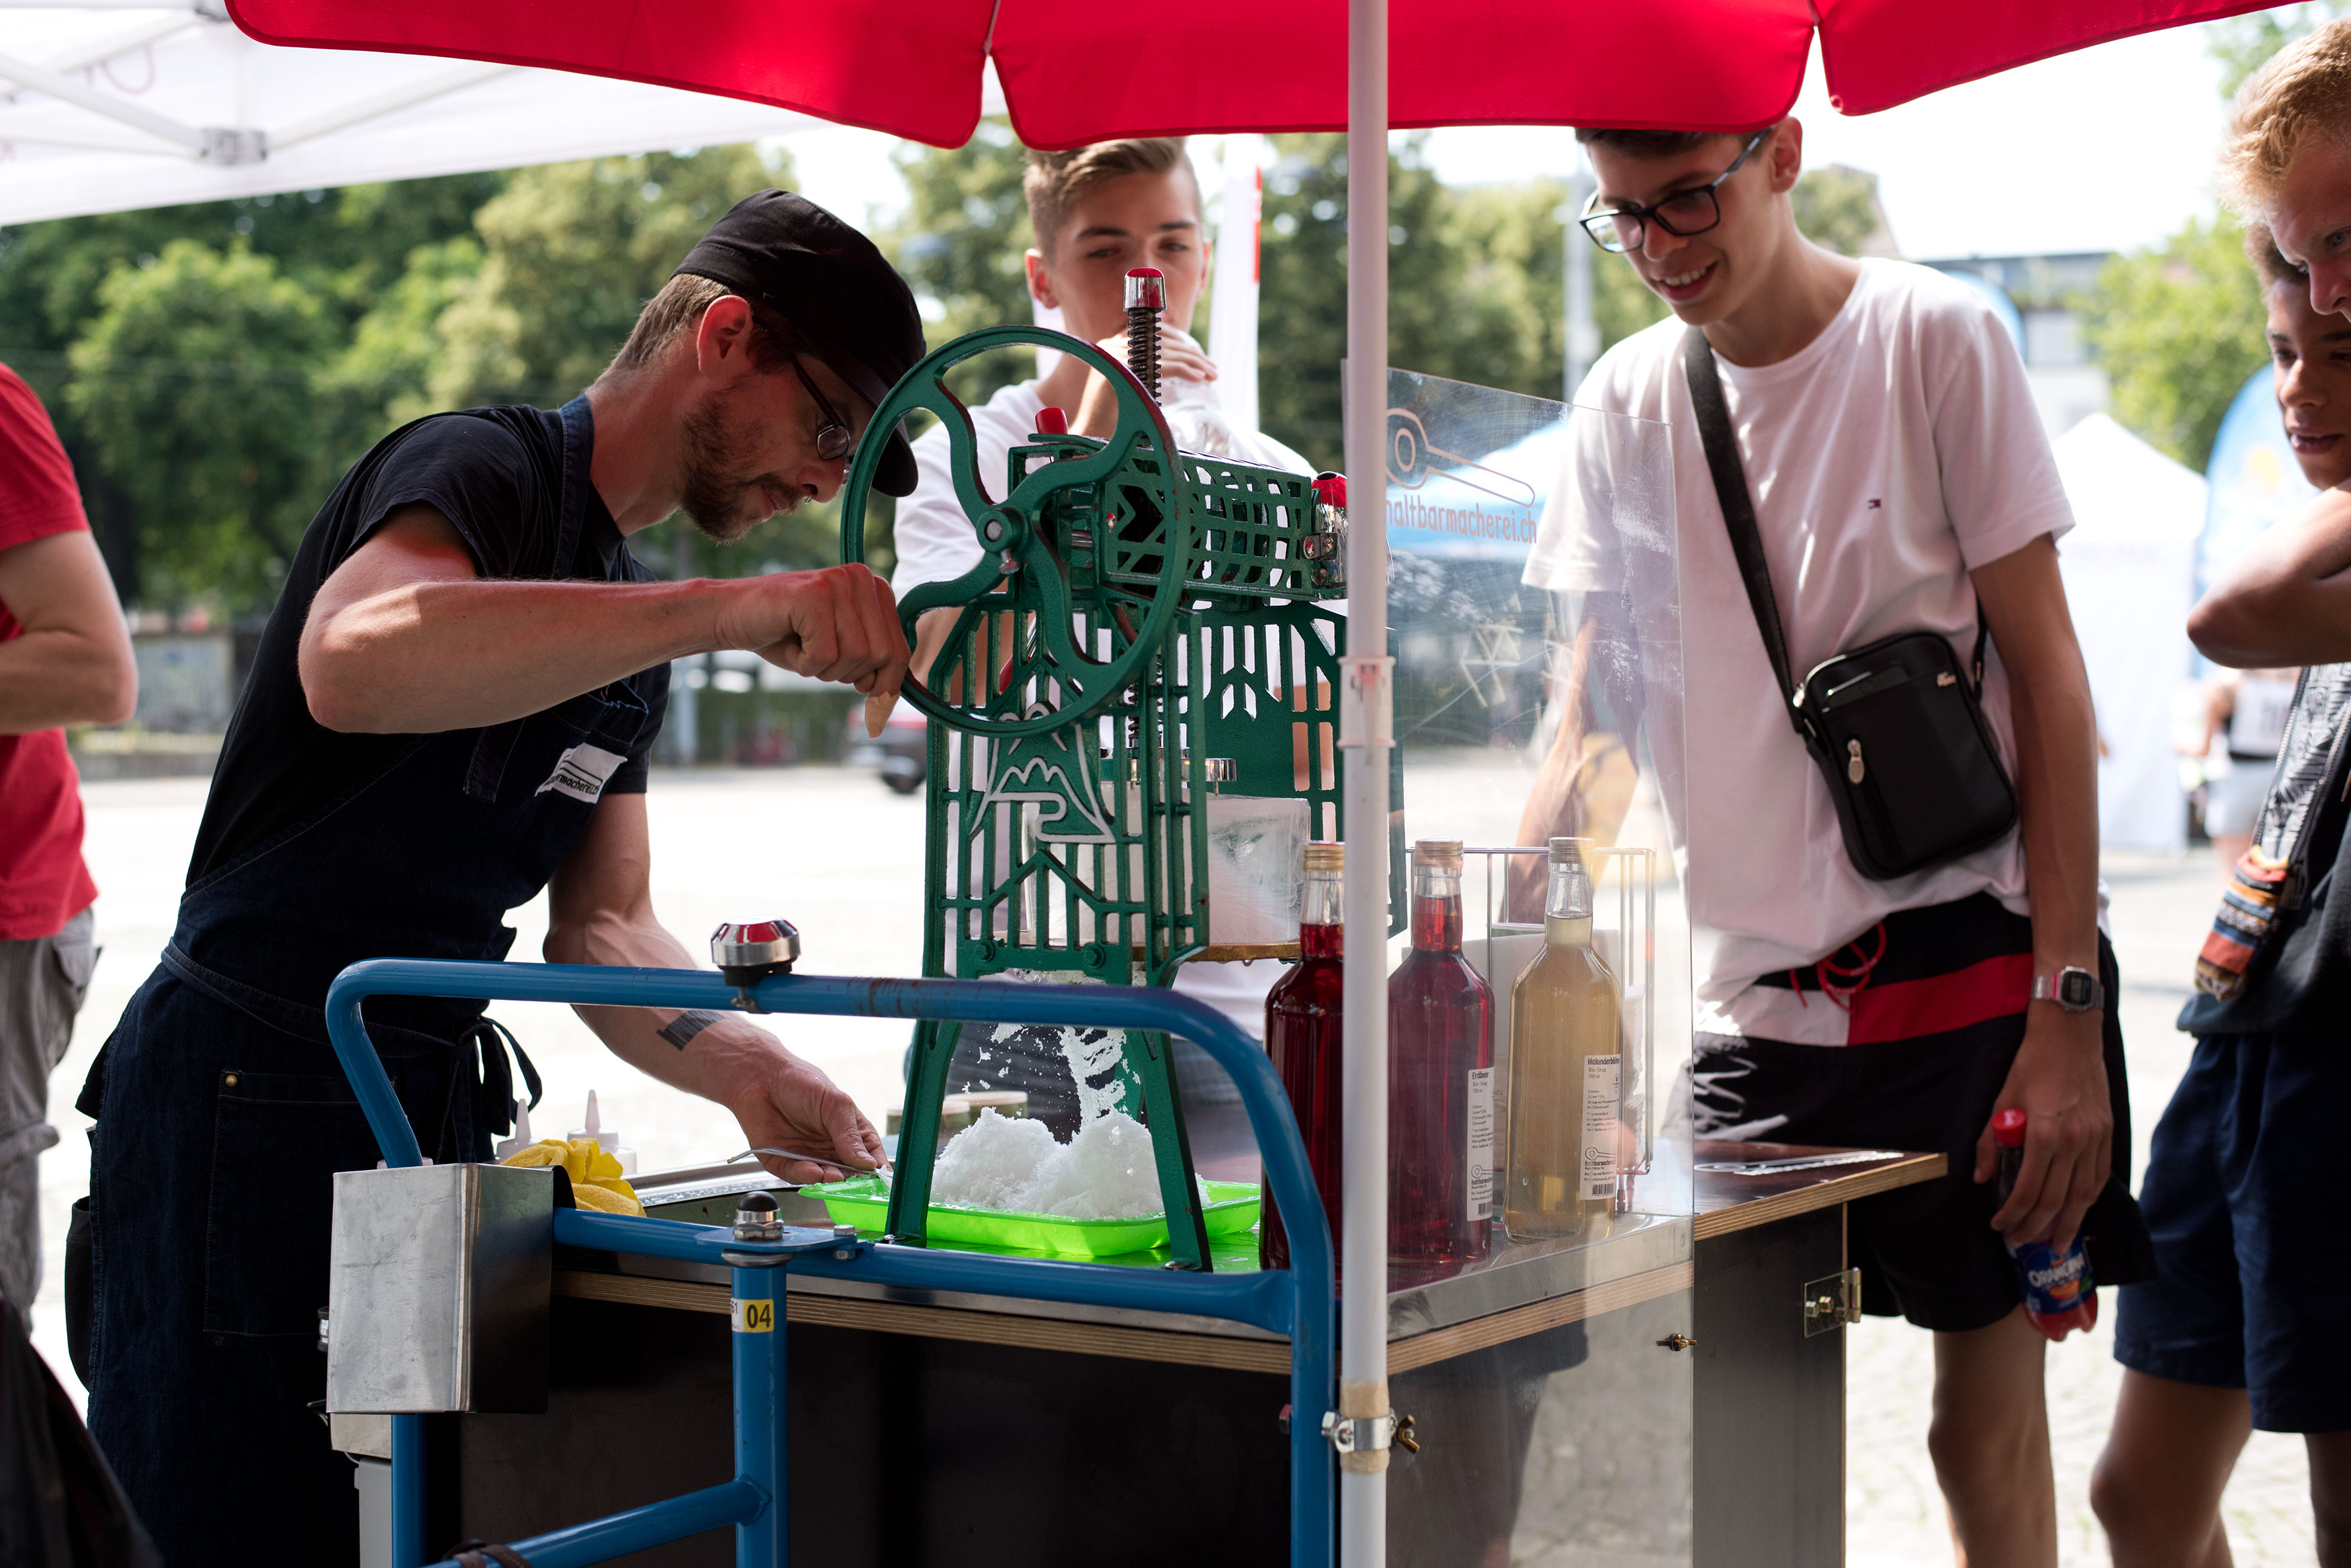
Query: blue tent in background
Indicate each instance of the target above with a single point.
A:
(2253, 477)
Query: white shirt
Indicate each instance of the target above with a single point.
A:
(1888, 458)
(936, 543)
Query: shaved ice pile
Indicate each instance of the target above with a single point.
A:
(1014, 1165)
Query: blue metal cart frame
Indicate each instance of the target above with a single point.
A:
(1300, 1301)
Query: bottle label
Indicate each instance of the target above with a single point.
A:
(2052, 1284)
(1603, 1088)
(1481, 1185)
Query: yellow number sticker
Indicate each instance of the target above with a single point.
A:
(754, 1316)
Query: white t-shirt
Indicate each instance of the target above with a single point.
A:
(1894, 454)
(936, 544)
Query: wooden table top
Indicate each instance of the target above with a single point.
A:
(1728, 1201)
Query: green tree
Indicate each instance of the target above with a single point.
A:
(2241, 44)
(1837, 207)
(196, 385)
(2178, 327)
(960, 243)
(570, 253)
(344, 247)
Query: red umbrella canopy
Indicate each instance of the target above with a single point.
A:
(1074, 74)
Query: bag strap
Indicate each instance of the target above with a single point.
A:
(1738, 510)
(1730, 477)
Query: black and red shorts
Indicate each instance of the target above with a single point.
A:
(1948, 975)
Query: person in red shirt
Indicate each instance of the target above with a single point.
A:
(64, 659)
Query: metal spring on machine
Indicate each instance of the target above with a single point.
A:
(1146, 297)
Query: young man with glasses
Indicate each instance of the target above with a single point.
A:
(1899, 479)
(2243, 1327)
(451, 710)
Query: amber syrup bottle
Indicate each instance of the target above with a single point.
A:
(1567, 1070)
(1440, 1082)
(1301, 1036)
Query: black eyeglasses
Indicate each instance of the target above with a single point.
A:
(834, 440)
(1681, 214)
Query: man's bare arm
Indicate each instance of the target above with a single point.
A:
(405, 639)
(72, 663)
(2059, 1078)
(601, 911)
(2287, 599)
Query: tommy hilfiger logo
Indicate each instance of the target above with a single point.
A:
(1874, 504)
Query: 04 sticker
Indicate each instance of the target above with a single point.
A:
(754, 1316)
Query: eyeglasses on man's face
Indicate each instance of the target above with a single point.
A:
(834, 440)
(1685, 212)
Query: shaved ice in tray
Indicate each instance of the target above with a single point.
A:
(1005, 1181)
(1011, 1165)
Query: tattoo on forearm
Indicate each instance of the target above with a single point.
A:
(686, 1025)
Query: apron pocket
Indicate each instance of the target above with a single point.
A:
(276, 1137)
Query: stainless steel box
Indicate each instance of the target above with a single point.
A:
(438, 1296)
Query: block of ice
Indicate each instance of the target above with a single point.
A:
(1255, 879)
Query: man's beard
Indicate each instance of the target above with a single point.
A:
(710, 494)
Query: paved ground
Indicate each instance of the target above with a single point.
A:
(842, 857)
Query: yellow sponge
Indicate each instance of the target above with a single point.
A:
(596, 1180)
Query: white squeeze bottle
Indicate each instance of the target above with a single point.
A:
(608, 1138)
(507, 1147)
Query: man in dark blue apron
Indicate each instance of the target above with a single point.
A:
(451, 710)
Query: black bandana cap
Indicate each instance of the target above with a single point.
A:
(849, 305)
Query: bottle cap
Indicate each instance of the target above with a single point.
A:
(1051, 420)
(2007, 1129)
(1330, 489)
(1146, 287)
(1566, 850)
(1441, 853)
(1322, 857)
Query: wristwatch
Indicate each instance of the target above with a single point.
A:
(2075, 990)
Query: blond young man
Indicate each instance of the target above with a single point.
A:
(2246, 1322)
(1096, 212)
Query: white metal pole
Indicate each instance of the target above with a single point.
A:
(1366, 719)
(1583, 333)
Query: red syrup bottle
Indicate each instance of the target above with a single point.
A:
(1301, 1036)
(1440, 1083)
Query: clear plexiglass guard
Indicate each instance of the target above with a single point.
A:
(1534, 600)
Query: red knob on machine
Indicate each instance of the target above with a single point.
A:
(1052, 421)
(1146, 288)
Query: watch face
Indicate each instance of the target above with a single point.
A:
(2076, 988)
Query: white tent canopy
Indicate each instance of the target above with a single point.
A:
(106, 106)
(2129, 569)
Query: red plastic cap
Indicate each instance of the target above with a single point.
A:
(2007, 1129)
(1052, 421)
(1330, 489)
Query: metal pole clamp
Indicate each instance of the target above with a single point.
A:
(1368, 1434)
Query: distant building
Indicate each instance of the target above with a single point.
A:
(2067, 385)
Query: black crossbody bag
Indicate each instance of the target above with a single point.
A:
(1898, 726)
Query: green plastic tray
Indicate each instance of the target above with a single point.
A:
(864, 1202)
